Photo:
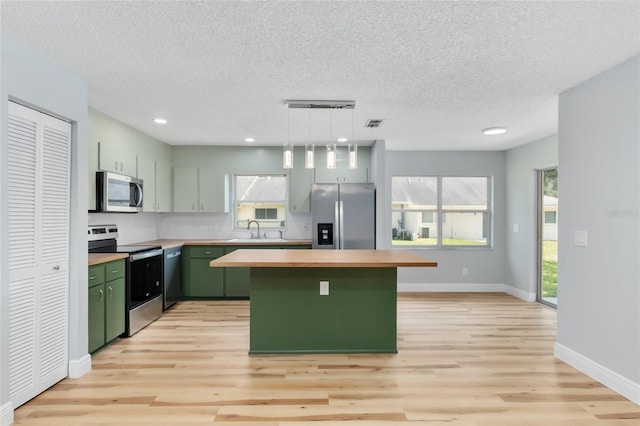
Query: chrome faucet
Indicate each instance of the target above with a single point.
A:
(249, 226)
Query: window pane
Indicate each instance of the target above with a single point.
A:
(464, 193)
(260, 188)
(549, 217)
(408, 228)
(414, 193)
(465, 228)
(261, 198)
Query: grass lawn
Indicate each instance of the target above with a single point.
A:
(550, 269)
(434, 241)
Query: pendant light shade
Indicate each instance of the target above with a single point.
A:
(331, 156)
(309, 161)
(353, 156)
(287, 157)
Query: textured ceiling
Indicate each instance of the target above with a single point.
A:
(437, 72)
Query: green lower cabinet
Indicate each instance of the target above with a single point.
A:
(96, 318)
(106, 303)
(114, 309)
(201, 280)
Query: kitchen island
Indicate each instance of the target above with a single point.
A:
(323, 301)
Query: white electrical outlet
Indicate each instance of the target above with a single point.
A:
(324, 288)
(580, 238)
(465, 271)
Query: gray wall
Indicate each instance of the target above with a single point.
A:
(521, 247)
(485, 266)
(599, 285)
(37, 81)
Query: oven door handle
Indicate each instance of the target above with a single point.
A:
(145, 255)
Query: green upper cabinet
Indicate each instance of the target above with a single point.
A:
(118, 157)
(342, 173)
(156, 178)
(200, 189)
(147, 172)
(163, 187)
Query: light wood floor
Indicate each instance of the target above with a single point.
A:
(464, 359)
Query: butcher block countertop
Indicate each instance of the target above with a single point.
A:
(322, 258)
(98, 258)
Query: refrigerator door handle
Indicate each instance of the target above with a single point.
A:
(336, 221)
(341, 227)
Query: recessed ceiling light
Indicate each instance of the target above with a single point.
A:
(494, 130)
(342, 139)
(249, 140)
(160, 121)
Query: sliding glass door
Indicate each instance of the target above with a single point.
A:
(548, 237)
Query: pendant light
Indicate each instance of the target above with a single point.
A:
(353, 149)
(308, 156)
(287, 155)
(309, 148)
(353, 156)
(331, 156)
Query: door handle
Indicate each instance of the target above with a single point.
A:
(56, 268)
(101, 293)
(110, 291)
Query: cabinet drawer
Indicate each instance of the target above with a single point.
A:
(96, 275)
(114, 270)
(206, 252)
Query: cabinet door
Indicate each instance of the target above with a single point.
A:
(205, 281)
(116, 157)
(213, 190)
(342, 173)
(163, 187)
(114, 308)
(96, 317)
(185, 184)
(300, 180)
(237, 280)
(147, 172)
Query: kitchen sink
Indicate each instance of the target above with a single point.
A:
(256, 240)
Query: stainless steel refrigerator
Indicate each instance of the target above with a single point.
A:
(343, 216)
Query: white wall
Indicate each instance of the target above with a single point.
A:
(485, 266)
(521, 247)
(599, 183)
(40, 83)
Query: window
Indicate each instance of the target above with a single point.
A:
(440, 211)
(549, 217)
(261, 198)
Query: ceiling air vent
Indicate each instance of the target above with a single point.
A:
(373, 124)
(320, 104)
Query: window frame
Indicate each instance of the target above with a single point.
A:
(441, 214)
(235, 201)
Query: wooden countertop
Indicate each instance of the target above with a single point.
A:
(279, 258)
(169, 243)
(98, 258)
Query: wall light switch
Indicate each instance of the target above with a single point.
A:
(580, 238)
(324, 288)
(516, 227)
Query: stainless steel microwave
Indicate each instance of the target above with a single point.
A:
(118, 193)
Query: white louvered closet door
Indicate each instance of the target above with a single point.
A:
(38, 203)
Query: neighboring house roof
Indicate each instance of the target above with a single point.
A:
(549, 201)
(260, 188)
(423, 191)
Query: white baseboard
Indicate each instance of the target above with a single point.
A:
(467, 288)
(610, 379)
(451, 287)
(79, 367)
(520, 294)
(6, 414)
